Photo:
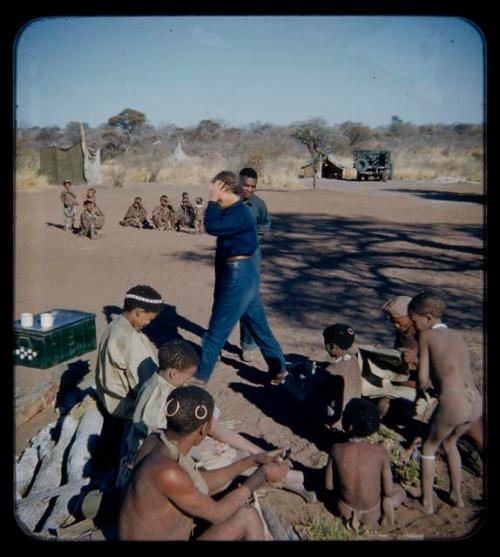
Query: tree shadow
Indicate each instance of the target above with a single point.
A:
(445, 195)
(346, 268)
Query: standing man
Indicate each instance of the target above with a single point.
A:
(258, 208)
(236, 292)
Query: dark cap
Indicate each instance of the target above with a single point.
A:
(340, 334)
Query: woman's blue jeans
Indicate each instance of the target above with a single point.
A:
(237, 297)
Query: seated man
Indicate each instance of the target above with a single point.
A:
(136, 215)
(185, 214)
(167, 495)
(359, 473)
(163, 215)
(177, 364)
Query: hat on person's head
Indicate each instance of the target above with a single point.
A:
(340, 334)
(66, 182)
(397, 306)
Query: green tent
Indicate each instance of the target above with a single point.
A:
(76, 163)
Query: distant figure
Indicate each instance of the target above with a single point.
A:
(198, 218)
(68, 199)
(88, 220)
(136, 216)
(185, 214)
(163, 215)
(99, 222)
(359, 473)
(443, 364)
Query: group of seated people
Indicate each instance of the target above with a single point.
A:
(175, 453)
(91, 217)
(165, 217)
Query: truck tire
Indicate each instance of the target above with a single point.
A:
(358, 176)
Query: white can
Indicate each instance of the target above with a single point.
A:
(46, 320)
(26, 320)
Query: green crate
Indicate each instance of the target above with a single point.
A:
(72, 334)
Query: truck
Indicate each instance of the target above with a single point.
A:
(375, 164)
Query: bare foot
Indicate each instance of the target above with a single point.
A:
(456, 500)
(426, 509)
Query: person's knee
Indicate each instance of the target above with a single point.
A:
(248, 515)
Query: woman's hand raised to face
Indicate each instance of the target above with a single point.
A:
(215, 189)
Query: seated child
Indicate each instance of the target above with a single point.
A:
(88, 220)
(198, 218)
(444, 364)
(163, 215)
(68, 199)
(177, 365)
(360, 473)
(343, 379)
(136, 215)
(99, 221)
(126, 357)
(168, 498)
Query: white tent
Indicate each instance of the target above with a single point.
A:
(179, 154)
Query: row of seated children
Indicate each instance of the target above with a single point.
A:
(165, 217)
(441, 360)
(133, 381)
(91, 217)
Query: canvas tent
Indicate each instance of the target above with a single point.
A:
(77, 163)
(330, 168)
(179, 154)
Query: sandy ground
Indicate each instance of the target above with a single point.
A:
(335, 253)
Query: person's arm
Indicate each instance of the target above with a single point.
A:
(329, 474)
(233, 439)
(423, 380)
(179, 488)
(219, 478)
(264, 221)
(218, 224)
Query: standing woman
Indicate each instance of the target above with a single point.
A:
(237, 283)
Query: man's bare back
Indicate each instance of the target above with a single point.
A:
(146, 512)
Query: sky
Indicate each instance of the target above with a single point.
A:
(239, 70)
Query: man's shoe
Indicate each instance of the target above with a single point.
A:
(248, 355)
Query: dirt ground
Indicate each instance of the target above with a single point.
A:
(336, 253)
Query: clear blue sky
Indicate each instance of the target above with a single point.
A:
(276, 69)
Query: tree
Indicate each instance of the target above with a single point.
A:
(129, 120)
(355, 132)
(318, 138)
